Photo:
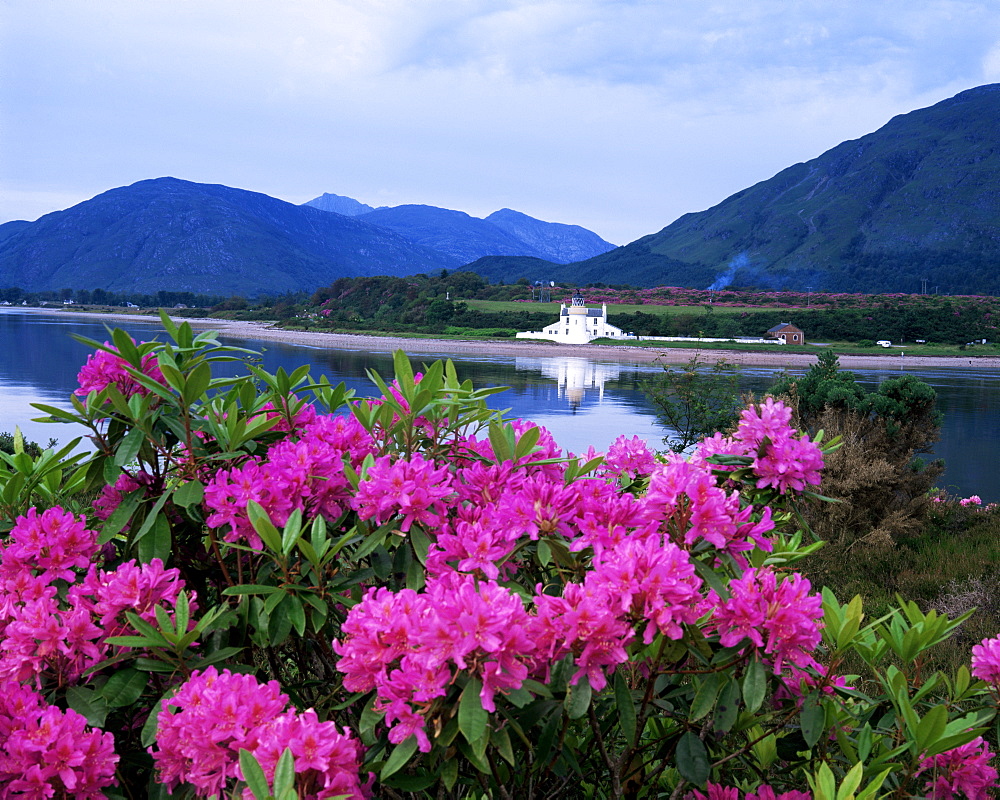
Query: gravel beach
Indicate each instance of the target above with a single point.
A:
(509, 347)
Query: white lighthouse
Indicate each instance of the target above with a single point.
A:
(578, 324)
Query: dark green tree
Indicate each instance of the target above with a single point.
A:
(695, 400)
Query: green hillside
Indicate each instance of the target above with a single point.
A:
(916, 201)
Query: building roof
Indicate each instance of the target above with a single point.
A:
(781, 326)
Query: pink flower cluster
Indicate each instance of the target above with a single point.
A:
(409, 646)
(961, 772)
(684, 499)
(104, 368)
(214, 715)
(47, 752)
(415, 489)
(782, 617)
(974, 500)
(304, 472)
(782, 460)
(111, 496)
(986, 661)
(629, 457)
(51, 633)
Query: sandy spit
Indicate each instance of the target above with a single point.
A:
(267, 331)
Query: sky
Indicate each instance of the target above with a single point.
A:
(617, 115)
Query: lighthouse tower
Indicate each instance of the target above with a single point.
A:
(578, 324)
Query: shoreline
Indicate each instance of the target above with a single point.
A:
(265, 331)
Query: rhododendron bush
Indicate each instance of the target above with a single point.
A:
(267, 587)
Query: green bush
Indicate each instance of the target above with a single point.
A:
(487, 617)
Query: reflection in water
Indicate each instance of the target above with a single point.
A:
(573, 376)
(582, 402)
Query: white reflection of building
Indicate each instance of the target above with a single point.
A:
(574, 377)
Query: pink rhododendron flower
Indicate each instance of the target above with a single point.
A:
(131, 586)
(783, 460)
(408, 646)
(51, 632)
(202, 728)
(50, 545)
(304, 472)
(986, 661)
(104, 368)
(582, 624)
(630, 457)
(327, 761)
(684, 498)
(648, 579)
(783, 619)
(47, 752)
(961, 772)
(413, 488)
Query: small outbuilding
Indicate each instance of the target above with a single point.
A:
(787, 333)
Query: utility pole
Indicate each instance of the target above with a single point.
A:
(923, 288)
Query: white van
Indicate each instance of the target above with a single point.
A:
(884, 343)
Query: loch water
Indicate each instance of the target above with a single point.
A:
(583, 402)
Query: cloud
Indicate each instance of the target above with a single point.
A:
(616, 114)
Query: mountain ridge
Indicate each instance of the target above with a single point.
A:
(913, 206)
(165, 233)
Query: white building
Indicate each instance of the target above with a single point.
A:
(578, 325)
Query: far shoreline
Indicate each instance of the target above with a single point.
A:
(266, 331)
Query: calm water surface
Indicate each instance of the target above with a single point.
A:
(582, 402)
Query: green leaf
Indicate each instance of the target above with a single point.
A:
(400, 755)
(625, 707)
(254, 776)
(754, 686)
(578, 698)
(120, 516)
(931, 727)
(284, 773)
(547, 738)
(449, 773)
(296, 613)
(500, 739)
(124, 687)
(265, 528)
(812, 719)
(158, 543)
(692, 759)
(292, 532)
(88, 703)
(148, 734)
(852, 780)
(472, 717)
(189, 494)
(129, 447)
(250, 588)
(544, 553)
(728, 708)
(704, 698)
(865, 742)
(197, 382)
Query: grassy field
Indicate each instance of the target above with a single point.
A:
(623, 308)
